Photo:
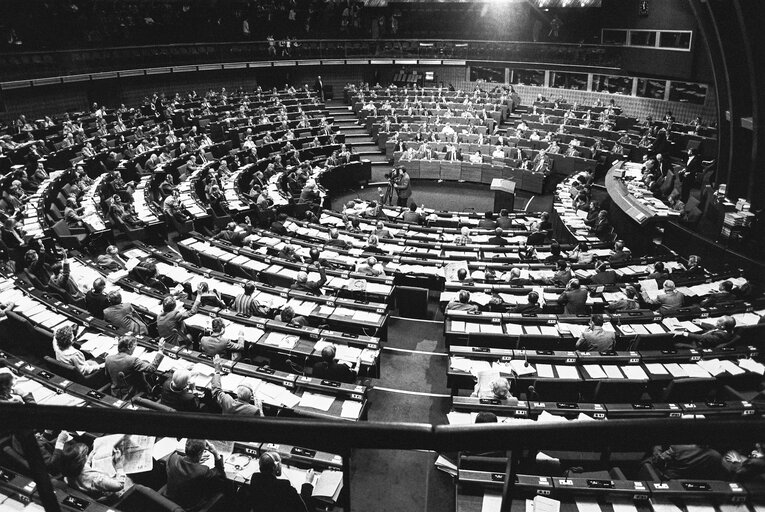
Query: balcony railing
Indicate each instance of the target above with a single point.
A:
(27, 65)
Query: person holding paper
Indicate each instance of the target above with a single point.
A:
(574, 299)
(79, 472)
(596, 339)
(131, 367)
(330, 369)
(245, 402)
(191, 483)
(668, 301)
(269, 493)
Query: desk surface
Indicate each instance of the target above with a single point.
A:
(629, 204)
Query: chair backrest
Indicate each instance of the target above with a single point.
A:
(149, 404)
(617, 392)
(140, 498)
(554, 390)
(61, 229)
(63, 369)
(688, 390)
(412, 302)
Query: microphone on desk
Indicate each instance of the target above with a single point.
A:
(525, 358)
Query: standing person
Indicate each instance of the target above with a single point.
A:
(318, 86)
(403, 185)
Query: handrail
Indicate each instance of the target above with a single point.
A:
(332, 436)
(51, 63)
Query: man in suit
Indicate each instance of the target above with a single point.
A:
(596, 339)
(178, 393)
(462, 303)
(573, 299)
(215, 344)
(668, 301)
(131, 367)
(487, 222)
(318, 86)
(603, 274)
(531, 306)
(562, 274)
(335, 241)
(123, 316)
(190, 483)
(402, 184)
(412, 216)
(269, 493)
(620, 253)
(498, 239)
(724, 293)
(718, 334)
(96, 300)
(170, 320)
(302, 284)
(690, 175)
(245, 403)
(330, 369)
(514, 278)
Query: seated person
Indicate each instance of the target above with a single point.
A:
(464, 237)
(715, 335)
(659, 273)
(96, 301)
(487, 222)
(603, 274)
(595, 338)
(574, 299)
(412, 216)
(462, 303)
(65, 352)
(8, 391)
(619, 254)
(178, 392)
(380, 231)
(190, 482)
(582, 254)
(302, 283)
(498, 389)
(288, 253)
(215, 344)
(62, 280)
(514, 278)
(687, 461)
(246, 303)
(743, 468)
(370, 267)
(131, 367)
(498, 239)
(170, 321)
(668, 301)
(724, 294)
(531, 306)
(111, 260)
(562, 274)
(123, 316)
(335, 241)
(79, 472)
(288, 316)
(504, 221)
(209, 298)
(486, 417)
(626, 304)
(331, 369)
(463, 278)
(245, 402)
(269, 493)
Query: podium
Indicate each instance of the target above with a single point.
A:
(504, 194)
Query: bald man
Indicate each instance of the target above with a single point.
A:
(269, 493)
(331, 369)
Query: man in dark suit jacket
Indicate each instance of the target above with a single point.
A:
(603, 274)
(532, 306)
(177, 394)
(96, 300)
(498, 239)
(573, 299)
(328, 368)
(487, 222)
(189, 482)
(272, 494)
(718, 334)
(131, 367)
(318, 86)
(690, 175)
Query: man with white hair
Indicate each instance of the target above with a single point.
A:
(464, 237)
(335, 240)
(668, 301)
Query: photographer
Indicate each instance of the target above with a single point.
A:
(402, 183)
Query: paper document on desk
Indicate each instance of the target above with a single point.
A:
(656, 369)
(522, 367)
(545, 371)
(623, 505)
(316, 401)
(492, 502)
(542, 504)
(650, 287)
(281, 340)
(594, 371)
(351, 409)
(567, 372)
(612, 371)
(634, 372)
(675, 370)
(584, 505)
(752, 366)
(698, 506)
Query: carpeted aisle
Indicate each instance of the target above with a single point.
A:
(384, 480)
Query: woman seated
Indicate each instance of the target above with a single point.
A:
(78, 468)
(63, 347)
